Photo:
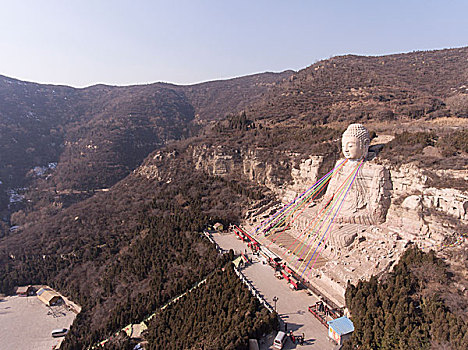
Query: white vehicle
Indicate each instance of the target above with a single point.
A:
(61, 332)
(279, 340)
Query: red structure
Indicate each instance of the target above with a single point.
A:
(294, 282)
(288, 274)
(287, 269)
(315, 310)
(245, 237)
(321, 311)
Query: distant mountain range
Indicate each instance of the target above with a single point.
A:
(97, 135)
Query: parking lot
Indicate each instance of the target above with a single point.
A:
(291, 305)
(26, 323)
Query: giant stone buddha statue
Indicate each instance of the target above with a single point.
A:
(368, 199)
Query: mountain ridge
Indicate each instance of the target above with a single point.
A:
(69, 126)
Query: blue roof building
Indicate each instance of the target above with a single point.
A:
(340, 329)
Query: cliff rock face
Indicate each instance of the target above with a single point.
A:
(258, 165)
(390, 206)
(398, 199)
(307, 173)
(304, 174)
(447, 200)
(422, 213)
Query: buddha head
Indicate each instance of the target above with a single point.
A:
(355, 142)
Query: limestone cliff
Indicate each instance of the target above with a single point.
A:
(416, 210)
(422, 212)
(276, 170)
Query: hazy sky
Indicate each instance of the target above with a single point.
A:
(83, 42)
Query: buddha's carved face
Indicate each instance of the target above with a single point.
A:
(355, 142)
(353, 148)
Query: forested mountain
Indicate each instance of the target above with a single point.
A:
(81, 140)
(118, 126)
(124, 252)
(408, 308)
(97, 135)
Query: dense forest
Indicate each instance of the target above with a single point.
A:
(221, 314)
(408, 309)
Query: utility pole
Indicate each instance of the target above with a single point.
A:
(275, 299)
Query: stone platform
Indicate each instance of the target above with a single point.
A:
(371, 251)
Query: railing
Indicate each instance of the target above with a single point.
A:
(208, 236)
(321, 318)
(336, 309)
(254, 291)
(332, 306)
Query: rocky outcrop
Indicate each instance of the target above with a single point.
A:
(400, 200)
(150, 171)
(414, 204)
(259, 165)
(306, 173)
(447, 200)
(407, 178)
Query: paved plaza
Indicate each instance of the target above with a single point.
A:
(280, 243)
(291, 305)
(26, 323)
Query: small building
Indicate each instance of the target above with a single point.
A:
(218, 226)
(25, 291)
(49, 297)
(340, 329)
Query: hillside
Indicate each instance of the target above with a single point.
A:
(92, 137)
(407, 309)
(215, 99)
(97, 135)
(122, 241)
(69, 142)
(122, 254)
(356, 88)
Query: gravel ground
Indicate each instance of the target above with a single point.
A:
(26, 323)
